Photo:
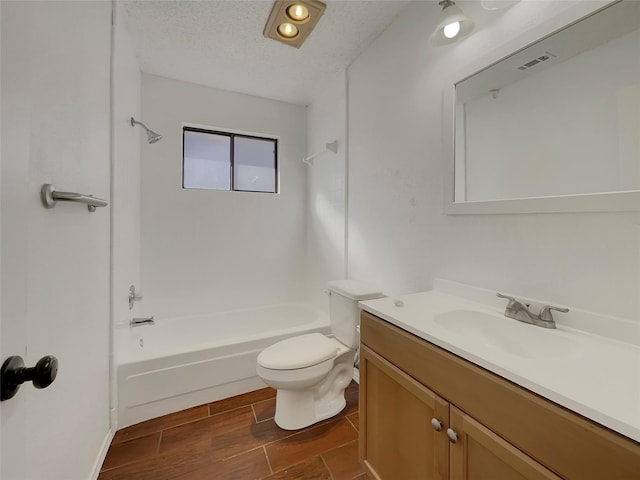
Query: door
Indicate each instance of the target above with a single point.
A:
(398, 440)
(478, 454)
(55, 128)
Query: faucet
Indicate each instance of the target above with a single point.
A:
(521, 312)
(138, 322)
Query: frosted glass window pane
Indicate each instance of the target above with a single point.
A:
(207, 161)
(254, 164)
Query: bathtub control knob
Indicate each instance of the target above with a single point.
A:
(133, 296)
(14, 374)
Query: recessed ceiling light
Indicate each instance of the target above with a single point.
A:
(288, 30)
(291, 21)
(298, 12)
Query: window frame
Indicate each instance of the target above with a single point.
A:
(232, 135)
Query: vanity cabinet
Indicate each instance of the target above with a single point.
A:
(480, 454)
(498, 430)
(400, 441)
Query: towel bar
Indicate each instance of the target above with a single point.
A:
(50, 196)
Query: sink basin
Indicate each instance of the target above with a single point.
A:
(510, 336)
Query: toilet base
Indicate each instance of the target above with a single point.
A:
(296, 409)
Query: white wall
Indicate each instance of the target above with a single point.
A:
(399, 238)
(125, 186)
(326, 189)
(208, 251)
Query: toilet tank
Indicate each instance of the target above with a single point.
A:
(344, 314)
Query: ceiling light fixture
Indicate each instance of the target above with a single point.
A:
(298, 12)
(288, 30)
(453, 24)
(291, 21)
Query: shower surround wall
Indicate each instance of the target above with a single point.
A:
(205, 251)
(399, 238)
(326, 193)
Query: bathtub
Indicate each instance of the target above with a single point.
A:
(183, 362)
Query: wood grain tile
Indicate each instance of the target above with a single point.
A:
(248, 437)
(309, 469)
(230, 444)
(242, 400)
(251, 465)
(354, 418)
(364, 476)
(161, 423)
(132, 451)
(198, 435)
(161, 467)
(310, 442)
(265, 410)
(342, 462)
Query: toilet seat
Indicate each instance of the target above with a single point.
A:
(298, 352)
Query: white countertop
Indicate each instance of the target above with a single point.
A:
(599, 379)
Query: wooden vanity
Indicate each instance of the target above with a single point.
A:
(428, 414)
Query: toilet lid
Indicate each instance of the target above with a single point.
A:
(298, 352)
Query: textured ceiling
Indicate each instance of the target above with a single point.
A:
(220, 43)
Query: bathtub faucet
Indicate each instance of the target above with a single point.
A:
(138, 322)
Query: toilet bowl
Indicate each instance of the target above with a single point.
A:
(311, 372)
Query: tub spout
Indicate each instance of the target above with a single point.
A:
(138, 322)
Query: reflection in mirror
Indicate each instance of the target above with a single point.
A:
(560, 117)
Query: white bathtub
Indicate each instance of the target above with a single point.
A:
(183, 362)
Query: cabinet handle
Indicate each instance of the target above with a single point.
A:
(435, 423)
(453, 436)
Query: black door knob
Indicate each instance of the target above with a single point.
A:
(14, 373)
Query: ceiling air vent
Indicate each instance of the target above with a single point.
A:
(535, 61)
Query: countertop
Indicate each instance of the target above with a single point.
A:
(599, 379)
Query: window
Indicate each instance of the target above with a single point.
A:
(214, 160)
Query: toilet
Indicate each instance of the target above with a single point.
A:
(311, 372)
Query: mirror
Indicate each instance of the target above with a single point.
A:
(556, 125)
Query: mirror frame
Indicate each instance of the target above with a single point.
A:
(624, 201)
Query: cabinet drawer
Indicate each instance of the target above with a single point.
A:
(570, 445)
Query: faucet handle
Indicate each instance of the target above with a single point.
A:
(512, 301)
(498, 294)
(545, 313)
(133, 296)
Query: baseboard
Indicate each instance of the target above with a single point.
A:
(102, 454)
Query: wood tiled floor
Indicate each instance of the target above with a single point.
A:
(237, 439)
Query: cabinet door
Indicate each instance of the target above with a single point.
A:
(480, 454)
(397, 438)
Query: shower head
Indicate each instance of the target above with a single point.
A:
(152, 137)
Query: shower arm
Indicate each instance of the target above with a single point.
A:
(152, 137)
(134, 122)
